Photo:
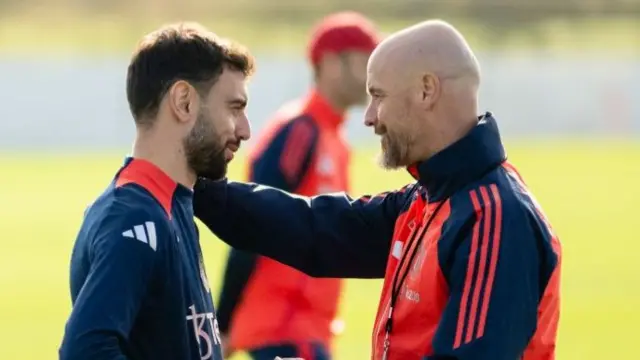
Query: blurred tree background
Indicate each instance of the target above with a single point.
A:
(280, 25)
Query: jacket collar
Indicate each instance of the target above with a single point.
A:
(149, 176)
(320, 108)
(463, 162)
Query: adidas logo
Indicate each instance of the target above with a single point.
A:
(145, 233)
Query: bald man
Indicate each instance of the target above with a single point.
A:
(471, 266)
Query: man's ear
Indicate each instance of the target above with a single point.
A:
(430, 90)
(183, 101)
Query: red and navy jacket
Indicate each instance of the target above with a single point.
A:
(138, 285)
(470, 263)
(264, 302)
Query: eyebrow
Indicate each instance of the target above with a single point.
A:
(240, 101)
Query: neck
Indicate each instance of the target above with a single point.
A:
(455, 128)
(150, 146)
(331, 97)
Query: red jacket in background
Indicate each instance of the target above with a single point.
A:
(263, 302)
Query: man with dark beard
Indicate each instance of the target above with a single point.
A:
(266, 307)
(471, 266)
(138, 284)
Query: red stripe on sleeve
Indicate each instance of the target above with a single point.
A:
(510, 168)
(497, 232)
(484, 249)
(295, 149)
(289, 152)
(286, 165)
(462, 313)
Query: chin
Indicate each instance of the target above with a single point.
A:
(388, 163)
(214, 174)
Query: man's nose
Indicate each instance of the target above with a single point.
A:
(243, 129)
(370, 117)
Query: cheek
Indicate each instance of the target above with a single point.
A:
(223, 121)
(387, 112)
(395, 116)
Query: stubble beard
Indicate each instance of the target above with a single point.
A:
(204, 150)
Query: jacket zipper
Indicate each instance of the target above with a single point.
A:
(396, 290)
(388, 309)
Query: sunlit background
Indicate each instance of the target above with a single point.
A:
(562, 78)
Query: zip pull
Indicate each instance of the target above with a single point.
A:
(385, 349)
(388, 327)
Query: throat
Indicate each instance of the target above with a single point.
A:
(173, 163)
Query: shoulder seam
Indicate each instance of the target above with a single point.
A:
(145, 194)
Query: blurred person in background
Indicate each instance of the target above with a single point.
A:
(267, 308)
(471, 266)
(138, 285)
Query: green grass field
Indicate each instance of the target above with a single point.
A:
(589, 190)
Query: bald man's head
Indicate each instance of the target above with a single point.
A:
(424, 82)
(431, 46)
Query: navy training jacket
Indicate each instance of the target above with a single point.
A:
(470, 262)
(138, 284)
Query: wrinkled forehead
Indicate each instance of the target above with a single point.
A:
(383, 71)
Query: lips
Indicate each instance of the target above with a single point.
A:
(233, 147)
(229, 155)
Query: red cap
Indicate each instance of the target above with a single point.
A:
(342, 31)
